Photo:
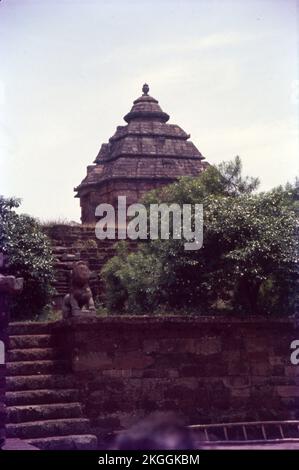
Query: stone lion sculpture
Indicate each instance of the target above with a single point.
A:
(79, 300)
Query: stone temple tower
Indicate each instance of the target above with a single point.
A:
(142, 155)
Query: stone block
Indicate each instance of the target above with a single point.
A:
(91, 361)
(260, 368)
(292, 371)
(208, 345)
(287, 391)
(132, 360)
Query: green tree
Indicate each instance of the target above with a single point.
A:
(28, 255)
(247, 262)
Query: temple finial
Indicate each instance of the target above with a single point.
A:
(145, 89)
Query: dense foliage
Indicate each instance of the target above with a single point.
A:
(28, 255)
(246, 264)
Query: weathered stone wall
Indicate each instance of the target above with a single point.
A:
(209, 369)
(108, 193)
(3, 341)
(78, 242)
(9, 285)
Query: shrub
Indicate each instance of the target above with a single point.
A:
(132, 281)
(28, 254)
(246, 264)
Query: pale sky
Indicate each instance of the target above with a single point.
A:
(226, 71)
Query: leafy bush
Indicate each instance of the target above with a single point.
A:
(28, 255)
(246, 264)
(132, 281)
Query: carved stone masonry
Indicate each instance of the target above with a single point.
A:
(79, 301)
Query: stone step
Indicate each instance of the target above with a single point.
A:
(53, 427)
(36, 367)
(72, 442)
(39, 397)
(34, 354)
(25, 413)
(59, 248)
(30, 341)
(40, 382)
(31, 328)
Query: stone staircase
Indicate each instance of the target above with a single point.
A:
(43, 405)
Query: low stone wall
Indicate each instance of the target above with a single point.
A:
(210, 369)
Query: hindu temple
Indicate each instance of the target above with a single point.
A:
(143, 154)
